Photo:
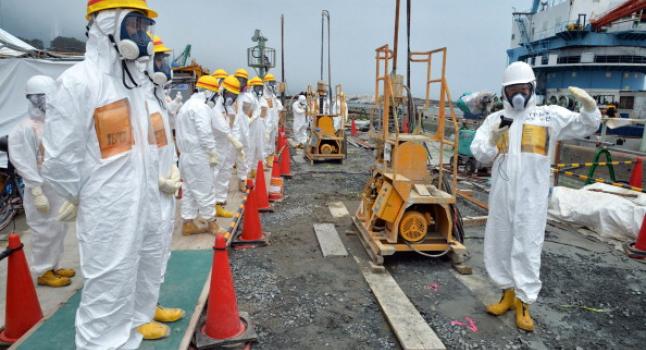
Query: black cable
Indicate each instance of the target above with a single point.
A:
(125, 70)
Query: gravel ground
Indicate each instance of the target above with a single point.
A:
(297, 298)
(592, 297)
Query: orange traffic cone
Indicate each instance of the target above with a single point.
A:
(22, 309)
(636, 174)
(223, 323)
(285, 163)
(260, 190)
(353, 129)
(252, 234)
(637, 249)
(276, 186)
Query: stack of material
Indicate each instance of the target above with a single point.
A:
(613, 213)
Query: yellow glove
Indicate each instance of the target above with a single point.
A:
(213, 158)
(588, 103)
(40, 200)
(235, 142)
(67, 212)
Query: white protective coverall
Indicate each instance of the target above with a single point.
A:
(520, 187)
(271, 122)
(299, 109)
(26, 154)
(222, 128)
(242, 122)
(97, 156)
(167, 159)
(195, 141)
(256, 133)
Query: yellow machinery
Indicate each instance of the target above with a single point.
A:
(405, 206)
(324, 142)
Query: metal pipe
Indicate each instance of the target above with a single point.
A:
(396, 36)
(282, 55)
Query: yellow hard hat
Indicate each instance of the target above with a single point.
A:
(94, 6)
(208, 82)
(220, 73)
(269, 77)
(231, 84)
(255, 81)
(241, 73)
(158, 45)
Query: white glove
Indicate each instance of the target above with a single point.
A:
(67, 212)
(213, 158)
(496, 133)
(588, 103)
(242, 157)
(235, 142)
(170, 185)
(40, 200)
(178, 97)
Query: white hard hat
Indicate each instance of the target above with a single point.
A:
(302, 100)
(40, 84)
(518, 73)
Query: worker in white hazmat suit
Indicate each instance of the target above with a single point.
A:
(40, 201)
(299, 108)
(521, 153)
(227, 135)
(244, 104)
(168, 174)
(97, 156)
(340, 112)
(257, 125)
(199, 155)
(273, 118)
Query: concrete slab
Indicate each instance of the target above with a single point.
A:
(338, 209)
(412, 330)
(331, 244)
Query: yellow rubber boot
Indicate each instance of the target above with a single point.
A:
(50, 279)
(190, 228)
(62, 272)
(506, 302)
(154, 330)
(221, 212)
(523, 318)
(168, 314)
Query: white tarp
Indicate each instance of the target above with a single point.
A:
(611, 216)
(14, 73)
(7, 38)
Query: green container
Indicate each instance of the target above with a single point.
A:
(464, 142)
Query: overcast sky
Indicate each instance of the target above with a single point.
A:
(476, 34)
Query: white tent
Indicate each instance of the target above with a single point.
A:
(14, 73)
(18, 63)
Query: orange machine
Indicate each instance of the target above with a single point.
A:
(407, 205)
(325, 142)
